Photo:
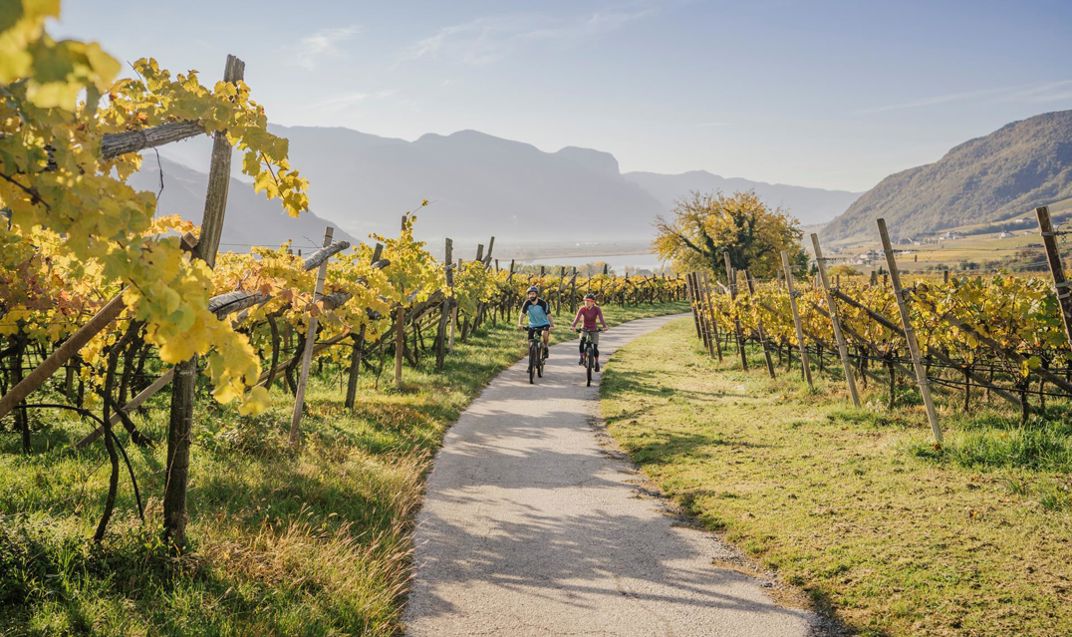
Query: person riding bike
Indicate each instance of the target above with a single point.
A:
(539, 316)
(589, 312)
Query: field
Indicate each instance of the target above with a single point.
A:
(856, 506)
(313, 542)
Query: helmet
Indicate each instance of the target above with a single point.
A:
(590, 295)
(533, 288)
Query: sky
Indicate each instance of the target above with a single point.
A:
(824, 94)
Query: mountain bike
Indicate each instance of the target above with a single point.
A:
(589, 352)
(537, 355)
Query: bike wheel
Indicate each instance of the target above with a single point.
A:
(533, 356)
(588, 366)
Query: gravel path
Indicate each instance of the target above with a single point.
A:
(530, 528)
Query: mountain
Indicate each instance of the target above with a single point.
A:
(1021, 166)
(480, 185)
(809, 205)
(251, 219)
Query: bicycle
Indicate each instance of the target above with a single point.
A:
(537, 354)
(589, 352)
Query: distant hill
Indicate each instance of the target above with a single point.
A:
(809, 205)
(1006, 173)
(251, 219)
(480, 185)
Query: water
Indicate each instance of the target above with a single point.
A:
(618, 263)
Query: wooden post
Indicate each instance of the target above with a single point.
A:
(606, 269)
(400, 343)
(444, 308)
(358, 351)
(835, 321)
(181, 415)
(453, 319)
(731, 279)
(712, 321)
(573, 292)
(487, 257)
(1061, 286)
(694, 303)
(307, 351)
(759, 326)
(910, 334)
(561, 289)
(805, 364)
(480, 252)
(702, 314)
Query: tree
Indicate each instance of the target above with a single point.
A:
(706, 226)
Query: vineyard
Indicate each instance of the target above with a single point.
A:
(998, 336)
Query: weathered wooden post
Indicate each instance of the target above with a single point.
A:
(693, 303)
(358, 351)
(835, 321)
(805, 364)
(759, 326)
(400, 343)
(307, 350)
(1053, 257)
(180, 420)
(731, 279)
(910, 334)
(712, 319)
(444, 308)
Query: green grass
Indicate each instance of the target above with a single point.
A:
(857, 506)
(314, 542)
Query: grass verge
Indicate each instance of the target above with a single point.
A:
(314, 542)
(857, 506)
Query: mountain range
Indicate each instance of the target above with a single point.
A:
(476, 184)
(1005, 174)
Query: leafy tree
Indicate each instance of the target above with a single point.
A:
(706, 226)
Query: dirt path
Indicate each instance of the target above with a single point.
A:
(530, 528)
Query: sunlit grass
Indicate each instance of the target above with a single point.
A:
(857, 506)
(308, 542)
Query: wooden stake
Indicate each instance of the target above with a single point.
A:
(400, 343)
(693, 303)
(759, 326)
(444, 308)
(712, 320)
(731, 279)
(180, 420)
(835, 321)
(307, 351)
(805, 364)
(1062, 287)
(910, 334)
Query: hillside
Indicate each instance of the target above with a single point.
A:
(479, 184)
(251, 218)
(1008, 172)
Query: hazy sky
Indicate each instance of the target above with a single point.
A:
(828, 94)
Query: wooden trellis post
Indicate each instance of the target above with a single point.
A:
(731, 279)
(835, 321)
(181, 415)
(910, 334)
(358, 351)
(307, 350)
(759, 326)
(445, 307)
(1062, 286)
(693, 303)
(804, 363)
(712, 321)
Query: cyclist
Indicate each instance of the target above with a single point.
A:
(539, 315)
(589, 313)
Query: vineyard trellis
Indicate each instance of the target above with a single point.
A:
(104, 305)
(1003, 334)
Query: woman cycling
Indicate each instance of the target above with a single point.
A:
(589, 313)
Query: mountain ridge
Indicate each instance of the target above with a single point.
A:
(1019, 166)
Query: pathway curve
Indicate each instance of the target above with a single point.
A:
(530, 528)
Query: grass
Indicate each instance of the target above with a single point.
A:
(314, 542)
(857, 506)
